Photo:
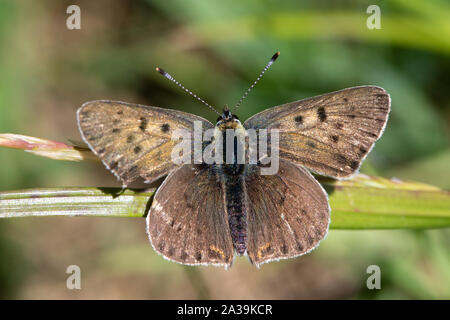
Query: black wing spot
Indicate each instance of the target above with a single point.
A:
(298, 119)
(144, 123)
(335, 138)
(354, 165)
(351, 116)
(113, 165)
(362, 150)
(165, 127)
(339, 126)
(115, 130)
(161, 245)
(101, 151)
(345, 100)
(120, 112)
(130, 138)
(321, 114)
(198, 256)
(137, 149)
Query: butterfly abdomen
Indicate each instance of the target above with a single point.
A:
(237, 219)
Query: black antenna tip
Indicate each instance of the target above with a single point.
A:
(160, 71)
(275, 56)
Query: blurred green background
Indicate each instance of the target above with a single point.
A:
(217, 48)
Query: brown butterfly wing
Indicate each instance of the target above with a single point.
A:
(133, 140)
(330, 134)
(287, 214)
(187, 221)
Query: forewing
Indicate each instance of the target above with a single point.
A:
(288, 213)
(330, 134)
(187, 222)
(133, 140)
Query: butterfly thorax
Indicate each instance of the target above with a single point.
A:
(230, 137)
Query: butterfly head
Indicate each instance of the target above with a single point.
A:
(226, 114)
(227, 120)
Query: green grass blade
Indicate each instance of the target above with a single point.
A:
(361, 203)
(107, 202)
(376, 203)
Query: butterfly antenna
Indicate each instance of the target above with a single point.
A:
(168, 76)
(271, 61)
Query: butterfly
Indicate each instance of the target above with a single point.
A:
(205, 214)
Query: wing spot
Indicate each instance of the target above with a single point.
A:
(362, 150)
(120, 112)
(165, 127)
(300, 247)
(382, 98)
(113, 165)
(298, 119)
(284, 249)
(101, 151)
(85, 113)
(198, 256)
(321, 114)
(130, 138)
(143, 124)
(339, 126)
(115, 130)
(137, 149)
(345, 100)
(335, 138)
(354, 165)
(161, 246)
